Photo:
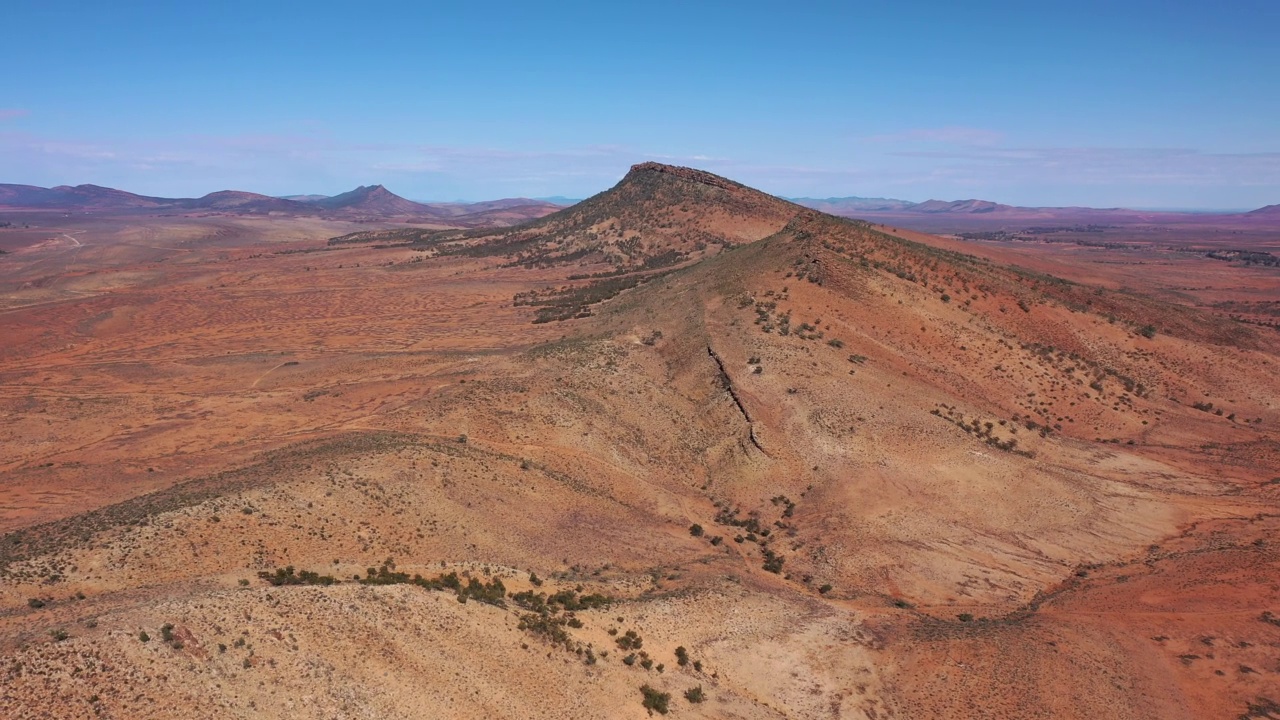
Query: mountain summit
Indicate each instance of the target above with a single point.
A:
(656, 216)
(374, 199)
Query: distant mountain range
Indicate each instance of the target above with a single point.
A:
(367, 202)
(375, 202)
(843, 205)
(947, 216)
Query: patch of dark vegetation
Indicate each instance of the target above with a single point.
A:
(1261, 709)
(570, 302)
(1248, 257)
(772, 561)
(287, 576)
(655, 701)
(491, 593)
(550, 615)
(629, 640)
(653, 262)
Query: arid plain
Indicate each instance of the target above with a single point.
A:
(703, 437)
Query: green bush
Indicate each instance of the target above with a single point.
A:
(655, 701)
(695, 694)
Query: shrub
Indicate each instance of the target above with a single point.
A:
(287, 576)
(630, 641)
(695, 694)
(682, 656)
(825, 589)
(1148, 331)
(773, 561)
(655, 701)
(144, 637)
(36, 603)
(694, 530)
(965, 617)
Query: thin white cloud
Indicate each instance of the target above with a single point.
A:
(952, 135)
(947, 162)
(1111, 166)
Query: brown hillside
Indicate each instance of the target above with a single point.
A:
(847, 473)
(656, 216)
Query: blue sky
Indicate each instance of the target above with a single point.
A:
(1128, 102)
